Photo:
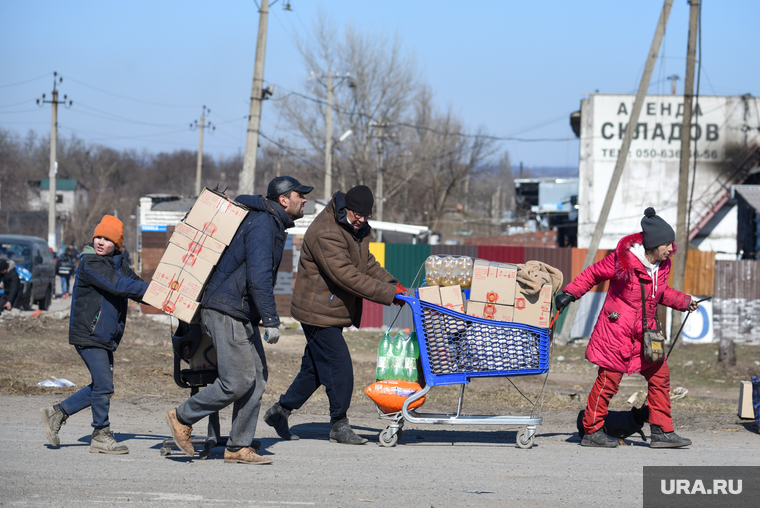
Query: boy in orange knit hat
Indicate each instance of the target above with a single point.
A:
(102, 286)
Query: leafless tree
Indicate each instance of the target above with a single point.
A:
(427, 154)
(376, 85)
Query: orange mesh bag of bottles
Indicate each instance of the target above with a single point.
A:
(390, 395)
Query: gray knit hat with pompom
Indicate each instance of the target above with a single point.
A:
(655, 230)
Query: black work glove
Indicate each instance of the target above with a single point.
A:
(563, 300)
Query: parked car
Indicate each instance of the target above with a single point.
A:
(33, 254)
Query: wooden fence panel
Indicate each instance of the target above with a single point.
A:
(737, 279)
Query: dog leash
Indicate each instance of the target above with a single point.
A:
(684, 323)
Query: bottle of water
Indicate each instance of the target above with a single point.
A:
(384, 358)
(410, 358)
(397, 361)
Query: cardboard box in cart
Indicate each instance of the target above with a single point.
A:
(490, 311)
(493, 282)
(216, 215)
(430, 294)
(451, 298)
(535, 309)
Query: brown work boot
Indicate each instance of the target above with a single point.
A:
(103, 442)
(53, 418)
(245, 455)
(180, 433)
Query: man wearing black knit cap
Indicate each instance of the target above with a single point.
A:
(336, 272)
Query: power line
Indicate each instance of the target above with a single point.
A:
(132, 98)
(430, 129)
(26, 81)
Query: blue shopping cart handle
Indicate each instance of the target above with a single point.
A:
(405, 298)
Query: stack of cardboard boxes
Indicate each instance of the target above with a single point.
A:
(495, 294)
(193, 251)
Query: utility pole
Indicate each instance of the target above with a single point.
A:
(53, 156)
(572, 309)
(673, 79)
(379, 184)
(248, 175)
(201, 126)
(328, 138)
(279, 157)
(682, 228)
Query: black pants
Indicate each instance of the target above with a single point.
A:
(326, 361)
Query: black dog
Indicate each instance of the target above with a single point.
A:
(621, 424)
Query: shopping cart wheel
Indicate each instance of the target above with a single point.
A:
(389, 438)
(523, 441)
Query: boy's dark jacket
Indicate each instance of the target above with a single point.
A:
(242, 283)
(99, 300)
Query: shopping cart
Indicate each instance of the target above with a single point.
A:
(455, 348)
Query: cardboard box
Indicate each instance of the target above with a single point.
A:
(182, 271)
(493, 282)
(195, 242)
(745, 400)
(536, 309)
(173, 303)
(451, 298)
(216, 215)
(430, 294)
(490, 311)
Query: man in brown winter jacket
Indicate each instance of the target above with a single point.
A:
(335, 273)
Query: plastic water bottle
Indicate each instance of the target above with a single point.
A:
(383, 357)
(397, 361)
(410, 358)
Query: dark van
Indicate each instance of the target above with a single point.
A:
(32, 253)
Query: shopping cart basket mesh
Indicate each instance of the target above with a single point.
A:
(456, 345)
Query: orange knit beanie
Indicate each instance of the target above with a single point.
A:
(112, 229)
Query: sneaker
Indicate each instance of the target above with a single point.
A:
(245, 455)
(660, 439)
(103, 442)
(180, 433)
(277, 417)
(342, 433)
(53, 419)
(599, 439)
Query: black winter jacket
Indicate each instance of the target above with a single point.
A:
(99, 301)
(11, 285)
(242, 284)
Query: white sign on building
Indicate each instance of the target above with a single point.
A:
(720, 127)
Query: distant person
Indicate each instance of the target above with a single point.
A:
(102, 286)
(640, 264)
(336, 272)
(12, 290)
(240, 294)
(125, 255)
(64, 266)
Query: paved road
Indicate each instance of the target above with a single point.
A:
(433, 466)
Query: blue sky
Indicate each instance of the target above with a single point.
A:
(140, 71)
